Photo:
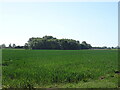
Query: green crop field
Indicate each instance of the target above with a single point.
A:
(59, 68)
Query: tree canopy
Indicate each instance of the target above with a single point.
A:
(50, 42)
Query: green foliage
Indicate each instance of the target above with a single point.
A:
(14, 46)
(48, 37)
(41, 68)
(84, 45)
(26, 46)
(10, 46)
(49, 42)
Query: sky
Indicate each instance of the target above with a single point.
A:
(93, 22)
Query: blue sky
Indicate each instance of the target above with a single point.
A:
(93, 22)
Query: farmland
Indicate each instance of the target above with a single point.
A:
(59, 68)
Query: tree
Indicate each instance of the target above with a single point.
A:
(69, 44)
(49, 42)
(19, 47)
(14, 46)
(84, 45)
(48, 37)
(3, 46)
(10, 46)
(26, 46)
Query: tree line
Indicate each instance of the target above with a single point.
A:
(50, 42)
